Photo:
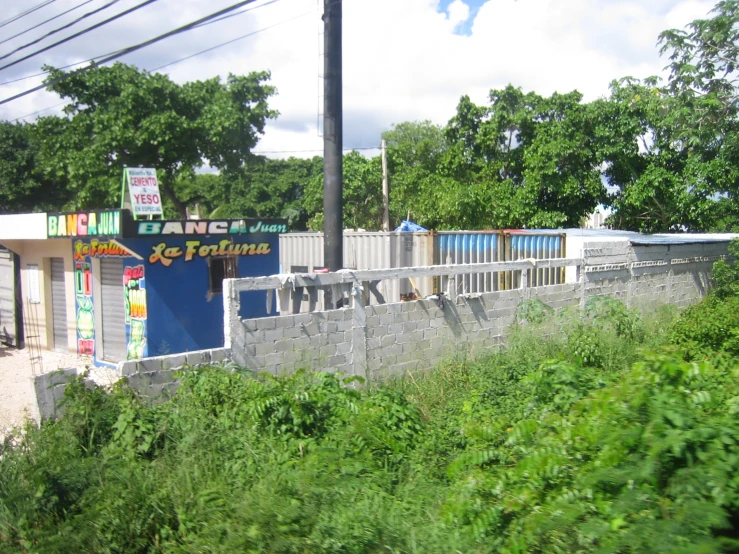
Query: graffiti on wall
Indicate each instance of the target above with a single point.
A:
(165, 254)
(134, 291)
(101, 249)
(85, 316)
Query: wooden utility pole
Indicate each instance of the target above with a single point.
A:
(333, 225)
(385, 190)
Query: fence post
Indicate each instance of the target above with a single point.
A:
(231, 306)
(359, 333)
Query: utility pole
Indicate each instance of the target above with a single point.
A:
(333, 225)
(385, 190)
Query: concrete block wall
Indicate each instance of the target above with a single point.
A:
(390, 339)
(153, 378)
(49, 389)
(418, 335)
(320, 340)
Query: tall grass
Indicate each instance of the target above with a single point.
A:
(581, 435)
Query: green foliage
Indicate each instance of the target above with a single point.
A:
(143, 119)
(583, 435)
(24, 186)
(362, 194)
(726, 275)
(708, 327)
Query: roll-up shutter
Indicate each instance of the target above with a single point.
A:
(113, 310)
(7, 298)
(59, 305)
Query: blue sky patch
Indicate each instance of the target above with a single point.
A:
(466, 27)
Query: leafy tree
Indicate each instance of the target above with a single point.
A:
(261, 187)
(23, 185)
(362, 194)
(673, 151)
(658, 184)
(121, 116)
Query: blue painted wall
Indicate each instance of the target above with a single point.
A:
(180, 314)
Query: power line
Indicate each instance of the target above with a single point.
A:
(232, 40)
(27, 12)
(130, 49)
(237, 13)
(45, 22)
(39, 111)
(177, 61)
(43, 72)
(58, 30)
(185, 58)
(92, 59)
(80, 33)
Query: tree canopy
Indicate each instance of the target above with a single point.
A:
(120, 116)
(664, 156)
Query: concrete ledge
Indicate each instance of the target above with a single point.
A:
(173, 361)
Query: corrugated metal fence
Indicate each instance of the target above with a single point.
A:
(303, 253)
(520, 245)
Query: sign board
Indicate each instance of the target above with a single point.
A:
(207, 227)
(143, 190)
(83, 224)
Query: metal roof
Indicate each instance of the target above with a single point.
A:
(637, 238)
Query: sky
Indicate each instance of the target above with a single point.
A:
(404, 60)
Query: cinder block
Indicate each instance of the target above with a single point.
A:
(409, 327)
(327, 351)
(336, 338)
(273, 335)
(254, 336)
(423, 323)
(386, 319)
(292, 332)
(284, 321)
(162, 377)
(60, 377)
(395, 328)
(249, 324)
(310, 329)
(195, 358)
(271, 360)
(283, 346)
(266, 323)
(403, 338)
(394, 350)
(337, 360)
(301, 343)
(344, 348)
(388, 340)
(402, 317)
(150, 364)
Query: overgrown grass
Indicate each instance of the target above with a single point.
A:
(585, 434)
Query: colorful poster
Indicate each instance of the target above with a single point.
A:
(143, 189)
(134, 290)
(85, 315)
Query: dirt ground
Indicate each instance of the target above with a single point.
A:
(17, 397)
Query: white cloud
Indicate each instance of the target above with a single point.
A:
(403, 59)
(458, 12)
